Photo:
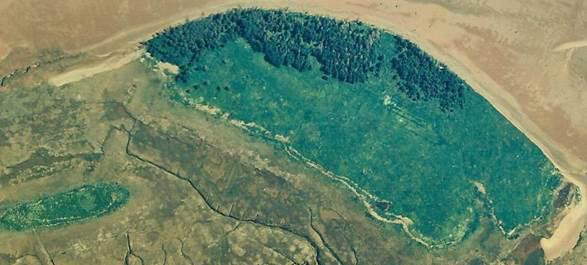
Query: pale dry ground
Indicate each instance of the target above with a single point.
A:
(525, 56)
(570, 45)
(568, 232)
(73, 24)
(113, 62)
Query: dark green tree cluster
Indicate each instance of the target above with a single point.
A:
(182, 45)
(349, 51)
(423, 78)
(346, 50)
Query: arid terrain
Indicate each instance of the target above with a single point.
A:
(528, 58)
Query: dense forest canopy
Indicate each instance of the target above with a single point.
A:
(349, 51)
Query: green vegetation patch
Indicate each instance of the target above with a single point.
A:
(347, 51)
(367, 105)
(82, 203)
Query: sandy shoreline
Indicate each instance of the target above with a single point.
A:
(113, 62)
(571, 45)
(414, 21)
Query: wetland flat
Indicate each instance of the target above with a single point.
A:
(448, 132)
(368, 106)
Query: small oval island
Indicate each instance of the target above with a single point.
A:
(82, 203)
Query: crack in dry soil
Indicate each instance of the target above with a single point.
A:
(130, 252)
(206, 200)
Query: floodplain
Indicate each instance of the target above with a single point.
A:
(386, 117)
